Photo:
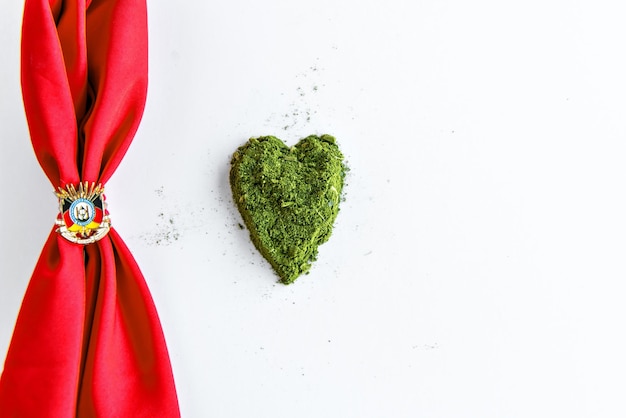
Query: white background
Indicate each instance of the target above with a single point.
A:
(477, 265)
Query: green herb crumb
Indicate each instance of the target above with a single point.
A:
(288, 198)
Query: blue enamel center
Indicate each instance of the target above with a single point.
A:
(82, 212)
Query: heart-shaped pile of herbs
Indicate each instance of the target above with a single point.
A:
(288, 198)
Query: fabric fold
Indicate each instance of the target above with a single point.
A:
(43, 362)
(88, 341)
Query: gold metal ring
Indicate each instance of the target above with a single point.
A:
(83, 216)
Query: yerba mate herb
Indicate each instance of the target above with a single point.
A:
(288, 198)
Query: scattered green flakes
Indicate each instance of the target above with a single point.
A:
(288, 198)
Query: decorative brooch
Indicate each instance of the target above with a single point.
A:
(83, 218)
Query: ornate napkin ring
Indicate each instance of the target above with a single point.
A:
(83, 217)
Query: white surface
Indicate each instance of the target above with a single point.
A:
(477, 266)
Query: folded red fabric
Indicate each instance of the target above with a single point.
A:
(88, 340)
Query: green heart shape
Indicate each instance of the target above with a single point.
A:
(288, 198)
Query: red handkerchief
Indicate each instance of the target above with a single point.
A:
(88, 341)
